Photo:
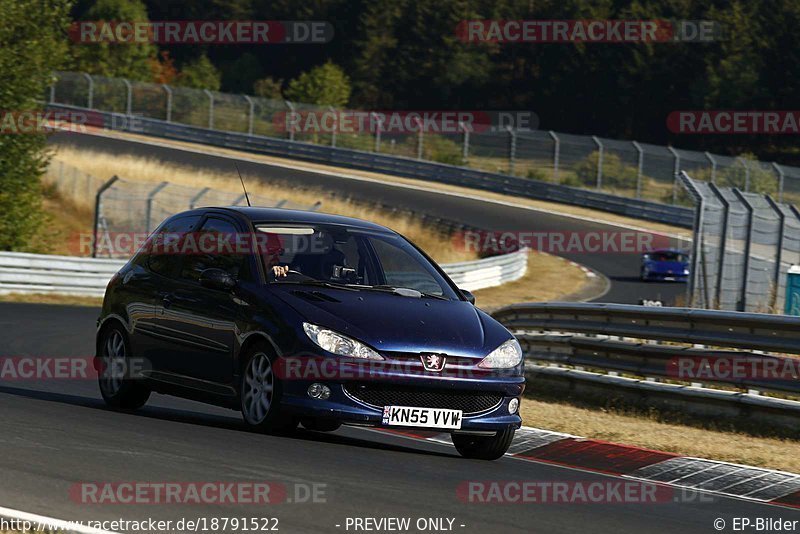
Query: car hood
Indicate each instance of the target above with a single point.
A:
(395, 323)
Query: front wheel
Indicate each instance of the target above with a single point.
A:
(484, 447)
(118, 388)
(260, 393)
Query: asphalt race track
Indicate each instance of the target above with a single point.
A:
(621, 269)
(58, 433)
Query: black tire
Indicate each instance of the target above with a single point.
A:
(118, 389)
(320, 425)
(270, 419)
(484, 447)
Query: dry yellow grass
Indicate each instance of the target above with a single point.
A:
(548, 207)
(45, 298)
(102, 164)
(548, 278)
(650, 432)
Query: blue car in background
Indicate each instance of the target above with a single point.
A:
(327, 321)
(665, 265)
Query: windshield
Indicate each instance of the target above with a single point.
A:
(669, 256)
(349, 257)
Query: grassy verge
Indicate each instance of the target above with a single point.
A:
(102, 164)
(549, 207)
(672, 432)
(548, 278)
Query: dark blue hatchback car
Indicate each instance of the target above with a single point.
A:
(665, 265)
(297, 317)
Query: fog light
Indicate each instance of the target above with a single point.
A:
(319, 391)
(513, 406)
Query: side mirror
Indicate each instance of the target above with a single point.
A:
(468, 295)
(217, 279)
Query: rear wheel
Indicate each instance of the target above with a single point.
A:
(260, 393)
(118, 389)
(484, 447)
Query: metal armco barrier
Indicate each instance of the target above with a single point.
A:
(68, 275)
(654, 343)
(395, 165)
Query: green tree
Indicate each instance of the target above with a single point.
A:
(120, 60)
(32, 46)
(268, 88)
(324, 85)
(200, 74)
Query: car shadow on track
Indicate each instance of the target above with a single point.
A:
(230, 423)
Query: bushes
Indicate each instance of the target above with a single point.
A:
(616, 173)
(32, 46)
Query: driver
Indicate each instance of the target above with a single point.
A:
(272, 257)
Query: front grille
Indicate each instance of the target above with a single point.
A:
(470, 402)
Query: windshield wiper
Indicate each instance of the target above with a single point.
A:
(320, 283)
(406, 291)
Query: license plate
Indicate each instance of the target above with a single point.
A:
(422, 417)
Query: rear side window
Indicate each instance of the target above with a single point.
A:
(213, 257)
(167, 264)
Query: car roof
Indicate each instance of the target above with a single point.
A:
(675, 250)
(258, 215)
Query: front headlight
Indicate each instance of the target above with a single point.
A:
(339, 344)
(507, 355)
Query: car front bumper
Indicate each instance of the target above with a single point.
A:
(342, 406)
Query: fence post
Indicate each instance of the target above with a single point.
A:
(464, 144)
(599, 161)
(676, 170)
(556, 154)
(697, 245)
(512, 149)
(291, 110)
(98, 198)
(722, 241)
(420, 140)
(779, 256)
(747, 245)
(713, 166)
(335, 126)
(168, 90)
(90, 91)
(746, 174)
(195, 199)
(150, 197)
(378, 126)
(210, 96)
(781, 179)
(128, 96)
(251, 112)
(639, 169)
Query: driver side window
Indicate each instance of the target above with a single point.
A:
(215, 249)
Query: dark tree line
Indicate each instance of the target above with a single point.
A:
(405, 54)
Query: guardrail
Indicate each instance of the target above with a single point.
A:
(68, 275)
(672, 351)
(396, 165)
